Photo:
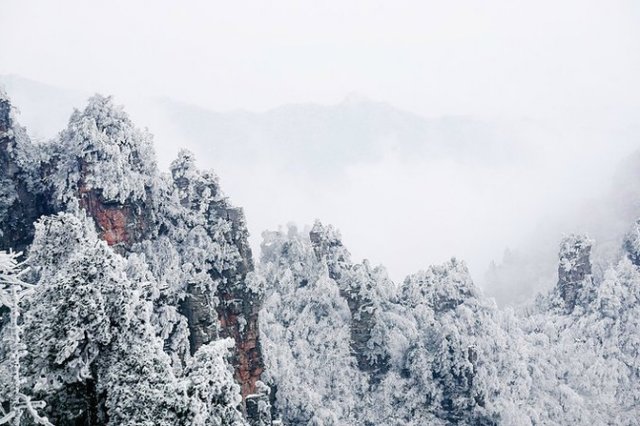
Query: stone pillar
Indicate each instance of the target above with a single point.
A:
(574, 268)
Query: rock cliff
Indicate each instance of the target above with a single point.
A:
(574, 270)
(102, 165)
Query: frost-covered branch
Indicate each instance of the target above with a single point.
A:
(12, 291)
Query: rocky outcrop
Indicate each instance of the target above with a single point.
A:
(235, 315)
(239, 307)
(120, 224)
(362, 325)
(358, 286)
(102, 165)
(234, 302)
(631, 244)
(22, 199)
(574, 269)
(328, 247)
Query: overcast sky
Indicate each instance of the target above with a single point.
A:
(573, 64)
(433, 57)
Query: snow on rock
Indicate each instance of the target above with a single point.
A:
(146, 308)
(23, 196)
(137, 272)
(102, 150)
(574, 269)
(449, 355)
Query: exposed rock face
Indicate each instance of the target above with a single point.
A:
(5, 114)
(120, 225)
(238, 310)
(574, 269)
(631, 244)
(22, 200)
(234, 303)
(202, 321)
(357, 285)
(102, 163)
(327, 246)
(364, 306)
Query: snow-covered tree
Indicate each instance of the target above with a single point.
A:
(214, 396)
(574, 271)
(137, 379)
(80, 304)
(367, 291)
(90, 333)
(134, 333)
(12, 398)
(102, 150)
(305, 326)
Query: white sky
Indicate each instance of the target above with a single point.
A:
(433, 57)
(558, 60)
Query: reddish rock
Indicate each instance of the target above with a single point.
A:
(123, 224)
(120, 225)
(247, 359)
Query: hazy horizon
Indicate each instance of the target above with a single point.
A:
(475, 128)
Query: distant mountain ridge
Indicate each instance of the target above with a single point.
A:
(279, 161)
(322, 138)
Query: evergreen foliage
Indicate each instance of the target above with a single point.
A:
(134, 304)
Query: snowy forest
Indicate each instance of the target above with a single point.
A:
(130, 296)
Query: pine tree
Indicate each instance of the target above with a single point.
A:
(89, 329)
